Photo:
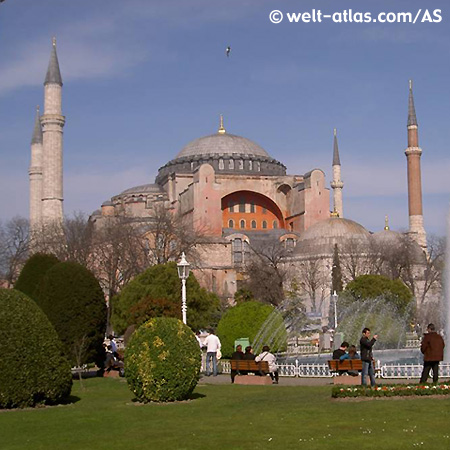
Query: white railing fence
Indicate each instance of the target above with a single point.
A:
(399, 371)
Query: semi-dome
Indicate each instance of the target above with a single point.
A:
(222, 144)
(321, 237)
(142, 189)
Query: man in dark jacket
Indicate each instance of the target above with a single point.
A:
(433, 352)
(367, 357)
(237, 355)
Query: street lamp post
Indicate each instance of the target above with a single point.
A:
(183, 273)
(335, 299)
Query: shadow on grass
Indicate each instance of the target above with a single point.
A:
(193, 396)
(71, 399)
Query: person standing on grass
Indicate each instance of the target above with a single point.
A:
(367, 357)
(432, 348)
(213, 345)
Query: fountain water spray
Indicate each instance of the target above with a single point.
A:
(446, 305)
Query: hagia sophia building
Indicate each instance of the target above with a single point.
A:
(229, 188)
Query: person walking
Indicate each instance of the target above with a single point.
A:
(432, 348)
(213, 345)
(366, 345)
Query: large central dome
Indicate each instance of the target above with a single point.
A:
(222, 144)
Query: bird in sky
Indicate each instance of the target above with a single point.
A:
(228, 51)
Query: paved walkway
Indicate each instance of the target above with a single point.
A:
(297, 381)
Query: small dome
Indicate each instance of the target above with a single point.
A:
(388, 237)
(321, 237)
(143, 189)
(222, 144)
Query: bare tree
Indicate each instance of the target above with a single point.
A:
(266, 271)
(14, 248)
(353, 258)
(313, 282)
(168, 235)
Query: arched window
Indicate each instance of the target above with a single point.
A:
(253, 223)
(258, 166)
(275, 224)
(231, 164)
(264, 224)
(231, 206)
(252, 208)
(242, 205)
(250, 165)
(221, 164)
(242, 224)
(289, 243)
(231, 224)
(241, 164)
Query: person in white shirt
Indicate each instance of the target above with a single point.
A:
(272, 360)
(113, 345)
(213, 345)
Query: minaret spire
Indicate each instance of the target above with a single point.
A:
(386, 223)
(35, 173)
(52, 127)
(337, 184)
(413, 154)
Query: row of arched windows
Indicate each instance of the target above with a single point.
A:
(243, 224)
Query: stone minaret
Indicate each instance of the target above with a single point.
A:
(52, 126)
(35, 173)
(413, 153)
(337, 184)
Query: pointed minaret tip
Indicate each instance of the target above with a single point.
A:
(221, 127)
(336, 159)
(412, 118)
(386, 223)
(53, 73)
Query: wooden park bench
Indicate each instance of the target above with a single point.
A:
(338, 367)
(248, 366)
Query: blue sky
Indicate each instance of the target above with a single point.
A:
(142, 78)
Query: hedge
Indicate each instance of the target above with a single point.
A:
(162, 361)
(73, 300)
(33, 369)
(33, 272)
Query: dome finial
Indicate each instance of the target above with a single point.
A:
(334, 213)
(386, 223)
(54, 41)
(221, 128)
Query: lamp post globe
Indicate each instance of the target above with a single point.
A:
(183, 273)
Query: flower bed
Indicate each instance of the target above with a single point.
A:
(393, 390)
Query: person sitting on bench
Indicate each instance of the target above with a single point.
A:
(352, 354)
(237, 355)
(272, 360)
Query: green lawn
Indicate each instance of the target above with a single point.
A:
(228, 417)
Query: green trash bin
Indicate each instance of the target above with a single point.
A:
(245, 342)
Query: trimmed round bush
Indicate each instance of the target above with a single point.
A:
(246, 321)
(33, 272)
(162, 361)
(73, 300)
(33, 369)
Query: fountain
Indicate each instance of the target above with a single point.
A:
(446, 305)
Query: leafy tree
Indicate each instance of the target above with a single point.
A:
(243, 295)
(374, 286)
(73, 300)
(33, 369)
(157, 292)
(246, 321)
(33, 272)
